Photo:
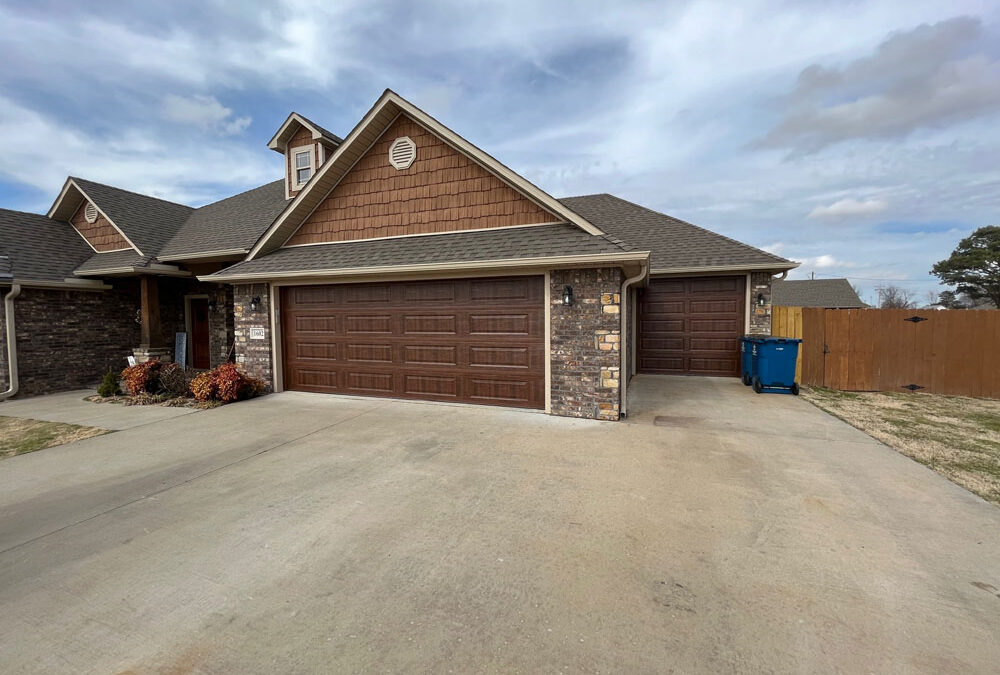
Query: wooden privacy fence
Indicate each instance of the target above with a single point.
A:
(938, 351)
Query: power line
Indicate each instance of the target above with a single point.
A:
(846, 276)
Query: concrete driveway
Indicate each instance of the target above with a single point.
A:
(716, 531)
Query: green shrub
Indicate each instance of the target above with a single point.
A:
(110, 385)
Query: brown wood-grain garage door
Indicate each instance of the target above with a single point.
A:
(471, 340)
(691, 325)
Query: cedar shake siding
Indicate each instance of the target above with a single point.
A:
(302, 138)
(101, 234)
(442, 191)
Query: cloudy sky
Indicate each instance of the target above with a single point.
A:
(860, 138)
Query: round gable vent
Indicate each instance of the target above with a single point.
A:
(90, 212)
(402, 152)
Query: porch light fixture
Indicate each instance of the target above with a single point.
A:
(212, 306)
(568, 295)
(255, 304)
(760, 300)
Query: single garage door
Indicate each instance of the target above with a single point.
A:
(691, 326)
(471, 340)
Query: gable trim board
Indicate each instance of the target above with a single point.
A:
(317, 134)
(385, 111)
(588, 260)
(57, 205)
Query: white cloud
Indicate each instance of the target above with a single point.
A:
(204, 112)
(850, 208)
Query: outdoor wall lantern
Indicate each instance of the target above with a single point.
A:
(568, 295)
(760, 300)
(212, 306)
(255, 304)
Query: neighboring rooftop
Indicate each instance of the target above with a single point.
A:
(39, 248)
(829, 293)
(674, 245)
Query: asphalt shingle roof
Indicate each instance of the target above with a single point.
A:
(232, 223)
(148, 221)
(672, 243)
(39, 248)
(831, 293)
(112, 260)
(514, 243)
(327, 134)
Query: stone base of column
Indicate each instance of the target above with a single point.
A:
(143, 354)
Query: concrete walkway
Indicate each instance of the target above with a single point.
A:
(71, 408)
(716, 531)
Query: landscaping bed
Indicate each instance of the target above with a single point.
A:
(19, 436)
(168, 384)
(958, 437)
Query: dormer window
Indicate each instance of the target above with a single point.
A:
(302, 163)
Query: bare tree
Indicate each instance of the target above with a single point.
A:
(894, 297)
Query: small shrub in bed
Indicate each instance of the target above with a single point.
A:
(142, 377)
(227, 384)
(173, 381)
(109, 386)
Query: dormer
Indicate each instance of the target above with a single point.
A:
(305, 145)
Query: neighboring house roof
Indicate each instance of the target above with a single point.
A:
(39, 248)
(830, 293)
(231, 225)
(674, 245)
(509, 244)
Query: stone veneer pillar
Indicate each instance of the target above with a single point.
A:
(252, 331)
(585, 355)
(760, 317)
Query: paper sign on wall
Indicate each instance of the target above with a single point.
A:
(256, 333)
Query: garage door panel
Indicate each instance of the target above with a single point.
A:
(699, 334)
(479, 340)
(430, 355)
(430, 324)
(431, 386)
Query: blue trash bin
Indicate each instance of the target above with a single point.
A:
(746, 359)
(774, 365)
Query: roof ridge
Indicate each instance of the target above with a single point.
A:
(698, 227)
(131, 192)
(31, 213)
(238, 194)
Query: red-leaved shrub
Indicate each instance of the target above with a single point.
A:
(226, 383)
(142, 377)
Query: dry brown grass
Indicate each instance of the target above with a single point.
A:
(19, 436)
(956, 436)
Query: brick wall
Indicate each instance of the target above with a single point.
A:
(69, 339)
(253, 355)
(586, 343)
(760, 317)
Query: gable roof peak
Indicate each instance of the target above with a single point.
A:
(365, 133)
(292, 123)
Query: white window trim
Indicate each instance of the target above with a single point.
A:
(294, 177)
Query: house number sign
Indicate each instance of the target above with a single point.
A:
(256, 333)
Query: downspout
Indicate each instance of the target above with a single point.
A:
(8, 306)
(623, 340)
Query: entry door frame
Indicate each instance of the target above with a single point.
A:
(189, 356)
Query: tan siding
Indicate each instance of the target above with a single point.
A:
(101, 234)
(442, 191)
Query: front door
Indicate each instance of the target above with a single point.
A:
(199, 334)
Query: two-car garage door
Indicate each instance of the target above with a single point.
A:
(691, 325)
(471, 340)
